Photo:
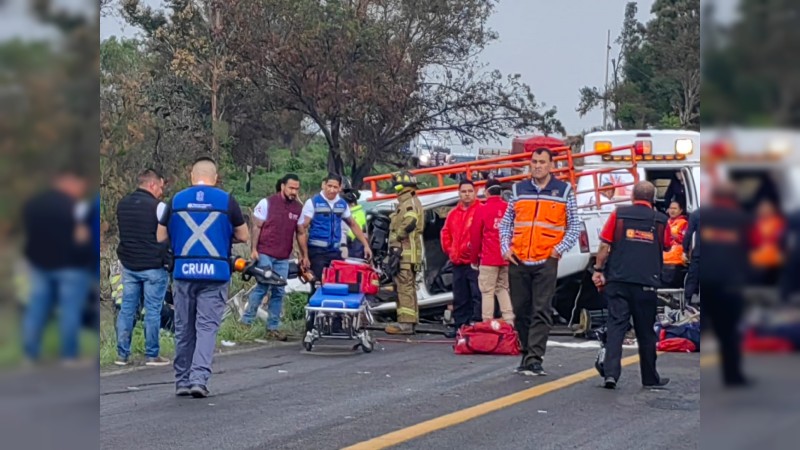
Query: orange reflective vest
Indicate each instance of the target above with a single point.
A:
(766, 241)
(676, 226)
(540, 219)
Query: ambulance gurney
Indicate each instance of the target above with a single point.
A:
(333, 312)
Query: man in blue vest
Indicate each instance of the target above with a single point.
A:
(201, 223)
(322, 216)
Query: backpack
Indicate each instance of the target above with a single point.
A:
(487, 338)
(359, 278)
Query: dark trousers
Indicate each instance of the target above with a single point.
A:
(321, 258)
(723, 306)
(466, 295)
(692, 279)
(355, 249)
(627, 300)
(532, 291)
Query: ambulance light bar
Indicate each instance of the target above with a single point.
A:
(645, 158)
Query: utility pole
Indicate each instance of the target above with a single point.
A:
(605, 86)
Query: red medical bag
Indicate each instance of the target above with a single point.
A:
(358, 277)
(487, 338)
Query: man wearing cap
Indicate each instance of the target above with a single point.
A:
(405, 242)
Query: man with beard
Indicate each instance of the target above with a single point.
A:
(275, 225)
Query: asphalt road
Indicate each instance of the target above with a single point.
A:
(282, 398)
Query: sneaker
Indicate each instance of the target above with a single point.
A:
(183, 392)
(519, 369)
(661, 383)
(157, 361)
(610, 383)
(277, 335)
(122, 361)
(198, 391)
(533, 370)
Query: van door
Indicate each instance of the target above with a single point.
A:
(692, 186)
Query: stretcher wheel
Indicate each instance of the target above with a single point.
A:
(366, 343)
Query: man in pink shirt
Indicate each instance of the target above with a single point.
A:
(486, 253)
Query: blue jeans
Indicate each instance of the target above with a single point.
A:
(66, 289)
(153, 285)
(281, 267)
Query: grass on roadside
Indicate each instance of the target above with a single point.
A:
(230, 330)
(11, 352)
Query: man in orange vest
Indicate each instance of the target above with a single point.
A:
(540, 224)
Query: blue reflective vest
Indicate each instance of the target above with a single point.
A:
(200, 232)
(326, 226)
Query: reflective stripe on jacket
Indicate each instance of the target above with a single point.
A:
(540, 219)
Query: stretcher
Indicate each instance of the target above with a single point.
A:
(335, 313)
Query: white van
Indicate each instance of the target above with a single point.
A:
(670, 159)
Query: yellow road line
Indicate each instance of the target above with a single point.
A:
(455, 418)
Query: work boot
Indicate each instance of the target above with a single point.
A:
(277, 335)
(399, 328)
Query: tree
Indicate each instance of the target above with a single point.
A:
(195, 40)
(622, 100)
(373, 74)
(656, 76)
(673, 39)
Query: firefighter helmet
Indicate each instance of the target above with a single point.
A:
(349, 194)
(403, 180)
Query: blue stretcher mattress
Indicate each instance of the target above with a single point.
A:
(334, 296)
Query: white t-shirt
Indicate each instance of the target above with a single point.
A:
(160, 210)
(308, 209)
(261, 211)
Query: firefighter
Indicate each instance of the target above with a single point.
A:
(633, 241)
(405, 244)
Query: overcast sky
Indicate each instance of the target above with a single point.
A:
(557, 46)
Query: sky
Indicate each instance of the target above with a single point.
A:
(558, 46)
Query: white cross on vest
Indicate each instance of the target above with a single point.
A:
(199, 233)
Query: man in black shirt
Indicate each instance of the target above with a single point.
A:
(60, 254)
(723, 236)
(143, 274)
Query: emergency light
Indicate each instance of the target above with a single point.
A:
(683, 146)
(643, 147)
(602, 146)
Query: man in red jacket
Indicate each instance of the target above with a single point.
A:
(493, 271)
(455, 238)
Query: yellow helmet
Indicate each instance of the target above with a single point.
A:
(402, 180)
